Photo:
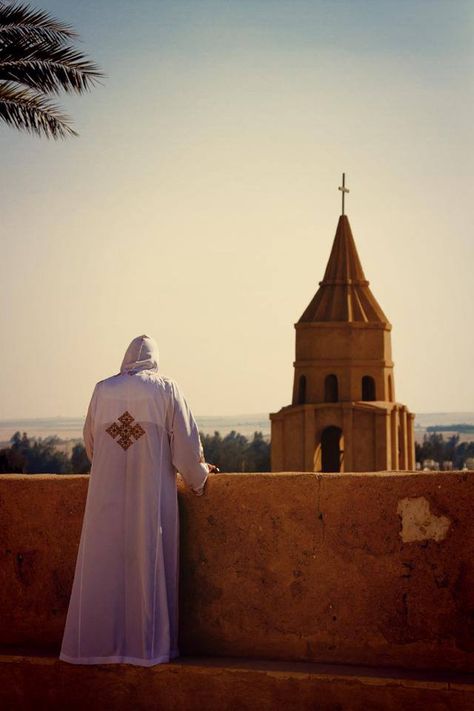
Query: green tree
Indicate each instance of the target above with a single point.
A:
(44, 458)
(433, 447)
(464, 451)
(79, 460)
(450, 448)
(212, 445)
(234, 453)
(40, 456)
(20, 442)
(11, 461)
(37, 61)
(258, 454)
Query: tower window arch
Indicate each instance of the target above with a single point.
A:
(331, 388)
(302, 390)
(368, 388)
(332, 449)
(390, 389)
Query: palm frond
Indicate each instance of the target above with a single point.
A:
(30, 111)
(19, 21)
(48, 67)
(37, 59)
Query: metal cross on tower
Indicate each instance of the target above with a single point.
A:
(344, 190)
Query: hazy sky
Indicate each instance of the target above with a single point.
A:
(200, 201)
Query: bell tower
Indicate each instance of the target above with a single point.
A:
(343, 415)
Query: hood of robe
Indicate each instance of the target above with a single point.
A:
(142, 354)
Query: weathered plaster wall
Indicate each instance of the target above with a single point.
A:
(356, 568)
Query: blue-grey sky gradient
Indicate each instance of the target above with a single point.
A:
(200, 201)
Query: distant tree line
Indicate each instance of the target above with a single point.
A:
(232, 453)
(435, 447)
(463, 428)
(236, 453)
(30, 455)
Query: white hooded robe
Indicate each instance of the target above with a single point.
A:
(139, 432)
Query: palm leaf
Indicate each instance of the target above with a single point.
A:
(19, 21)
(37, 60)
(47, 67)
(30, 111)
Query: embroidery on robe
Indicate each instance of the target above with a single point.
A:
(125, 431)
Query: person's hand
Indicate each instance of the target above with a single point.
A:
(212, 468)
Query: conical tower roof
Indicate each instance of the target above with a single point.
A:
(344, 293)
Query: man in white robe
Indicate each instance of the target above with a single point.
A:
(139, 432)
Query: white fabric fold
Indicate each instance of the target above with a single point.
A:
(142, 354)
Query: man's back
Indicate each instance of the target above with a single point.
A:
(138, 432)
(147, 397)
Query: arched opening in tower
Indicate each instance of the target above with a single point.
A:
(332, 449)
(302, 390)
(331, 388)
(368, 388)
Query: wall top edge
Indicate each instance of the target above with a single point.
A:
(67, 478)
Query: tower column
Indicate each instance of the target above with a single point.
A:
(388, 439)
(411, 442)
(403, 443)
(382, 442)
(394, 438)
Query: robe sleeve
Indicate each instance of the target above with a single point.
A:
(89, 426)
(186, 449)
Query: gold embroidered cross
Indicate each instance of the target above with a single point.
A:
(125, 430)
